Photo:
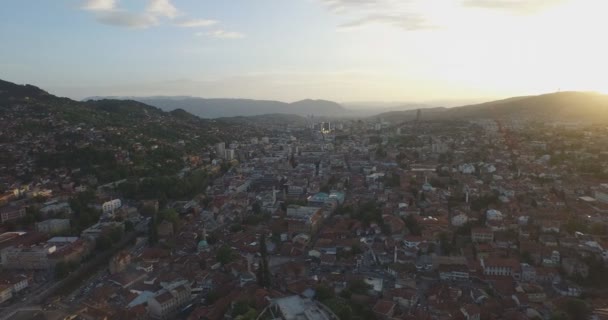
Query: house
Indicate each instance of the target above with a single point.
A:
(404, 297)
(167, 302)
(53, 226)
(384, 309)
(6, 292)
(482, 235)
(471, 312)
(11, 213)
(453, 272)
(411, 241)
(500, 267)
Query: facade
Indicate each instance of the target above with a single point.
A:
(303, 219)
(297, 308)
(6, 292)
(454, 272)
(482, 235)
(229, 155)
(500, 267)
(168, 301)
(111, 206)
(220, 149)
(53, 226)
(31, 258)
(10, 213)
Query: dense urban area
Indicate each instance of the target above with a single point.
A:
(118, 210)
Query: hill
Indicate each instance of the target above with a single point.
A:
(220, 108)
(107, 139)
(560, 106)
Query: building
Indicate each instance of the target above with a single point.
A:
(111, 206)
(471, 312)
(500, 267)
(229, 155)
(601, 194)
(53, 226)
(28, 258)
(168, 301)
(6, 292)
(297, 308)
(302, 219)
(220, 149)
(119, 262)
(11, 213)
(482, 235)
(453, 272)
(384, 309)
(18, 282)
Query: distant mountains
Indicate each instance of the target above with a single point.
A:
(30, 105)
(560, 106)
(220, 108)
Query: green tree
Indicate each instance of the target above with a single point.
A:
(263, 274)
(61, 270)
(413, 225)
(129, 227)
(359, 287)
(323, 293)
(224, 255)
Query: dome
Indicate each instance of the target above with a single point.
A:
(203, 244)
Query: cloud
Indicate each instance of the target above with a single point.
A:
(99, 5)
(221, 34)
(411, 15)
(401, 14)
(162, 8)
(195, 23)
(411, 22)
(109, 13)
(515, 6)
(121, 18)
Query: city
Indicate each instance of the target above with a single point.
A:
(303, 160)
(321, 219)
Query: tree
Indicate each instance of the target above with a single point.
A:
(240, 307)
(61, 270)
(575, 309)
(170, 215)
(445, 243)
(323, 293)
(103, 243)
(152, 232)
(256, 208)
(413, 225)
(129, 227)
(224, 255)
(263, 274)
(359, 287)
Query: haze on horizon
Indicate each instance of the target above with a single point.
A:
(341, 50)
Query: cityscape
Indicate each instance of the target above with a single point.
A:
(303, 160)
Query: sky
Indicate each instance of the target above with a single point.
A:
(341, 50)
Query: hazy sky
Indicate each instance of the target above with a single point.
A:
(344, 50)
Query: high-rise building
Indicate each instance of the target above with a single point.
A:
(220, 149)
(229, 155)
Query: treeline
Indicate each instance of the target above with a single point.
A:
(166, 187)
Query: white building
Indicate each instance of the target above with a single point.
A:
(111, 206)
(220, 149)
(167, 302)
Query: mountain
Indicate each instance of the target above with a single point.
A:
(219, 108)
(108, 139)
(560, 106)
